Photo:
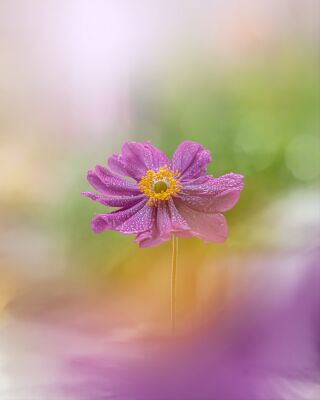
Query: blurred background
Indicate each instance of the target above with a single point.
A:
(79, 78)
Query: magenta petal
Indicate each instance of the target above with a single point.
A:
(178, 223)
(135, 219)
(106, 182)
(160, 231)
(212, 195)
(116, 164)
(209, 227)
(191, 160)
(211, 203)
(141, 221)
(157, 157)
(99, 223)
(115, 219)
(209, 185)
(149, 238)
(164, 223)
(139, 157)
(168, 221)
(123, 201)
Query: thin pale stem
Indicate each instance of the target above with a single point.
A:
(173, 281)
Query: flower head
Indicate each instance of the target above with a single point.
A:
(157, 198)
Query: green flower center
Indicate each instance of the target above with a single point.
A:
(160, 187)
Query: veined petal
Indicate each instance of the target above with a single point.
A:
(116, 164)
(139, 157)
(149, 238)
(209, 227)
(114, 219)
(163, 222)
(104, 181)
(160, 231)
(126, 220)
(179, 224)
(167, 221)
(141, 221)
(212, 203)
(157, 157)
(213, 194)
(123, 201)
(213, 186)
(191, 160)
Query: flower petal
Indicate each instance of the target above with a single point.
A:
(215, 195)
(139, 222)
(212, 204)
(191, 160)
(164, 224)
(130, 220)
(113, 219)
(160, 231)
(209, 227)
(167, 221)
(104, 181)
(179, 224)
(139, 157)
(213, 186)
(116, 164)
(149, 238)
(123, 201)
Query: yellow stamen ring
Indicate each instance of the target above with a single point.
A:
(160, 185)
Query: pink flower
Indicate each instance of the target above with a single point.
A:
(157, 198)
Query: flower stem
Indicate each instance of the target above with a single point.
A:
(173, 281)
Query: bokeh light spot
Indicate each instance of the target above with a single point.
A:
(302, 157)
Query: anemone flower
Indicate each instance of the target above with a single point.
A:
(158, 199)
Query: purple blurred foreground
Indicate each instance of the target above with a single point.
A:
(261, 349)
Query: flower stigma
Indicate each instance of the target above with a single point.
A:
(160, 185)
